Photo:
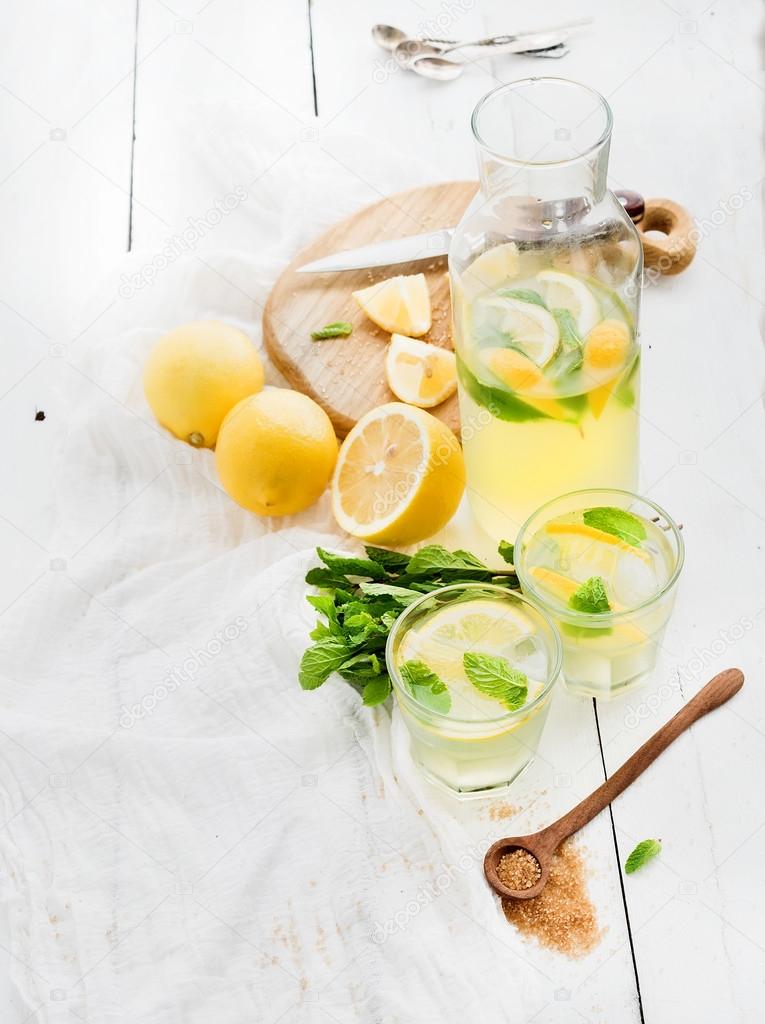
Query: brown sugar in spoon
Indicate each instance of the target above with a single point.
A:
(542, 845)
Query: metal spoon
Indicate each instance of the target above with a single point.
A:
(442, 70)
(409, 51)
(542, 845)
(388, 36)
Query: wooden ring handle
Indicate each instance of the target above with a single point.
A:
(716, 692)
(673, 253)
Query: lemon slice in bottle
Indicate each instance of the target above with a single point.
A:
(399, 476)
(491, 270)
(531, 328)
(564, 291)
(420, 373)
(399, 304)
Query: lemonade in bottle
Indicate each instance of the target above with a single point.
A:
(545, 269)
(473, 667)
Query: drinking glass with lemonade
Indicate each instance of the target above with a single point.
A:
(473, 667)
(545, 271)
(605, 565)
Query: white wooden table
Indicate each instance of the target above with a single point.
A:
(91, 165)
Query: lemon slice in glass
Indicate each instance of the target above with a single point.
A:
(564, 291)
(399, 304)
(420, 373)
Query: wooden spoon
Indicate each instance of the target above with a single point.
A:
(542, 845)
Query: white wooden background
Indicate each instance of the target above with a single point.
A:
(90, 166)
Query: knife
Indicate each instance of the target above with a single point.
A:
(430, 245)
(384, 254)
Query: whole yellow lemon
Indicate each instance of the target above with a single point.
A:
(276, 451)
(196, 374)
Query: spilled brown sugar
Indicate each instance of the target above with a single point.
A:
(518, 870)
(562, 917)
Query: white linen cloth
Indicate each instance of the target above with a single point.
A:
(187, 835)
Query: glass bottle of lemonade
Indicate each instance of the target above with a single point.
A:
(546, 272)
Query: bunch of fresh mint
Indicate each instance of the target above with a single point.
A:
(361, 598)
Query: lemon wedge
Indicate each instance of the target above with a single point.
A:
(399, 304)
(564, 291)
(592, 534)
(520, 374)
(419, 373)
(491, 269)
(399, 477)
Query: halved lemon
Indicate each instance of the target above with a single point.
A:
(420, 373)
(399, 477)
(491, 269)
(564, 291)
(531, 328)
(399, 304)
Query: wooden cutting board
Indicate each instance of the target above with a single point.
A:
(346, 376)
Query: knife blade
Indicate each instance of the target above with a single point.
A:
(427, 246)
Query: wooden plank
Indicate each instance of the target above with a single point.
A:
(402, 110)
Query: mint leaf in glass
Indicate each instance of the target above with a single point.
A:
(495, 677)
(643, 852)
(591, 597)
(616, 521)
(426, 687)
(507, 551)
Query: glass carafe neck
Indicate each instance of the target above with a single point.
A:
(543, 139)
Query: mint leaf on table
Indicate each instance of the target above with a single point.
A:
(591, 597)
(402, 595)
(340, 329)
(376, 691)
(495, 677)
(643, 852)
(434, 557)
(361, 599)
(522, 295)
(395, 560)
(618, 522)
(321, 660)
(426, 687)
(342, 565)
(507, 551)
